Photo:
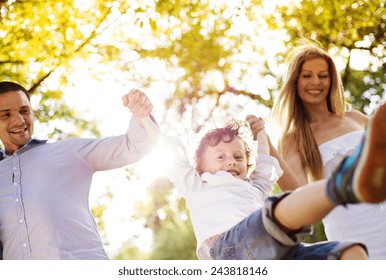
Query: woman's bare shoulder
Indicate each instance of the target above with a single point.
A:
(357, 117)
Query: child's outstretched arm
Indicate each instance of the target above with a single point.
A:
(267, 168)
(152, 129)
(141, 107)
(289, 180)
(138, 103)
(257, 127)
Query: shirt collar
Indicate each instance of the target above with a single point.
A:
(32, 143)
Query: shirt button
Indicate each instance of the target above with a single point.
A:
(17, 200)
(15, 184)
(21, 221)
(24, 245)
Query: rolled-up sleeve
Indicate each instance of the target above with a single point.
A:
(268, 167)
(267, 172)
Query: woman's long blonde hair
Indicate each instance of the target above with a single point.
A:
(289, 113)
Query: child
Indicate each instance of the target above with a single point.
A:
(233, 215)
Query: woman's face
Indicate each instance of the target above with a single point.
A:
(314, 81)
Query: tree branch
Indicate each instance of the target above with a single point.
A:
(63, 58)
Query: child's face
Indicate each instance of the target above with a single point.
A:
(230, 157)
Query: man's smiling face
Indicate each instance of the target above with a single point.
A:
(16, 120)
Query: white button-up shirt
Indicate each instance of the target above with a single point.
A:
(44, 194)
(218, 201)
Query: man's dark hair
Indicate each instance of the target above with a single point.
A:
(7, 86)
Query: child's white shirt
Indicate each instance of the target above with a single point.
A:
(217, 202)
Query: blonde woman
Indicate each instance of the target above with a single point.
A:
(316, 132)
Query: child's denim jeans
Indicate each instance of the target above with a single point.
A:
(258, 237)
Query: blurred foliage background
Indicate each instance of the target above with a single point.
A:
(203, 61)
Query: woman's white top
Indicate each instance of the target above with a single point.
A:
(217, 202)
(362, 222)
